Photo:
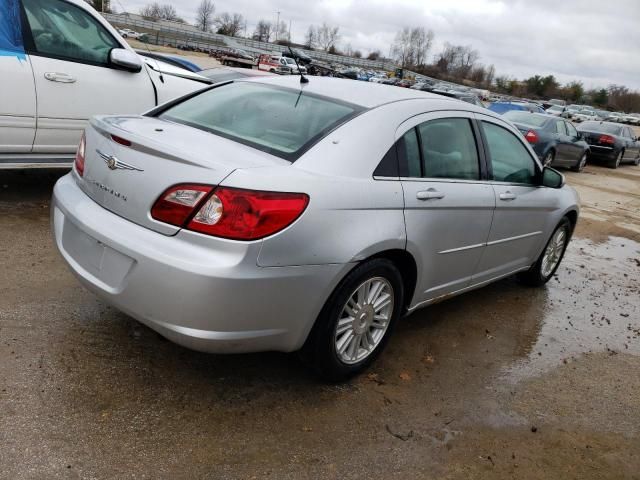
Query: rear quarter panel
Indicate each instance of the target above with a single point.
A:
(350, 215)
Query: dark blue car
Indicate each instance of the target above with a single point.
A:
(556, 141)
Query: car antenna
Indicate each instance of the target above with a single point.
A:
(303, 79)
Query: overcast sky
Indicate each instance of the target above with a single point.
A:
(595, 41)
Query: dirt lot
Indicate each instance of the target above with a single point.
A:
(504, 382)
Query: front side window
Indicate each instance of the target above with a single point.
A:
(282, 121)
(60, 29)
(448, 149)
(510, 159)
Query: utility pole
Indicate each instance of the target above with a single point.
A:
(277, 26)
(289, 30)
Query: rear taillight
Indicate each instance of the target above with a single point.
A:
(177, 204)
(531, 136)
(607, 139)
(229, 212)
(79, 163)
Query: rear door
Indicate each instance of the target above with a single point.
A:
(522, 206)
(17, 89)
(632, 149)
(69, 51)
(448, 205)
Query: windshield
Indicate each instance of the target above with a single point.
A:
(600, 128)
(555, 109)
(526, 118)
(281, 121)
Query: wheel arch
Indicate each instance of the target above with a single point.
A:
(407, 266)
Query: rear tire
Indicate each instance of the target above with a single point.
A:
(541, 271)
(325, 348)
(616, 163)
(578, 167)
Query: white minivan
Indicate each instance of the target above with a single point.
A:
(60, 64)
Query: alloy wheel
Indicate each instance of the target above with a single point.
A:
(553, 252)
(364, 320)
(548, 159)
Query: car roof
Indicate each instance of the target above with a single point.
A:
(364, 94)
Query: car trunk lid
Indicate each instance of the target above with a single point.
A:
(131, 160)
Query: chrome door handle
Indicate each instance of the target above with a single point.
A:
(429, 194)
(59, 77)
(506, 196)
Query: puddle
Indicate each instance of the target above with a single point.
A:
(592, 305)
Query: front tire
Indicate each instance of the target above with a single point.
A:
(357, 320)
(548, 158)
(550, 258)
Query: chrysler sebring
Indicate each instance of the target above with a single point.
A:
(269, 214)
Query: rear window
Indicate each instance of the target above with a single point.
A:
(601, 127)
(526, 118)
(281, 121)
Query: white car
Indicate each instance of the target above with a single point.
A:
(60, 64)
(127, 33)
(631, 118)
(584, 116)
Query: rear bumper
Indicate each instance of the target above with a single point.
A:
(602, 153)
(202, 293)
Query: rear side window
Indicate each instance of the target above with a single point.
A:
(571, 131)
(510, 160)
(448, 149)
(62, 30)
(560, 128)
(282, 121)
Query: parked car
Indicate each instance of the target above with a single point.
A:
(502, 107)
(465, 97)
(560, 103)
(225, 74)
(615, 117)
(631, 119)
(274, 64)
(210, 223)
(612, 143)
(127, 33)
(555, 141)
(585, 116)
(72, 66)
(303, 58)
(572, 110)
(555, 110)
(295, 69)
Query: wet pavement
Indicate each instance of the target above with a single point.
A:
(503, 382)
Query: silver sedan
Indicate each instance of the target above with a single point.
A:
(269, 214)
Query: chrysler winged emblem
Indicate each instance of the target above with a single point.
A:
(114, 164)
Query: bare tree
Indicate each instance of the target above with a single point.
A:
(157, 11)
(229, 24)
(422, 41)
(411, 46)
(375, 55)
(327, 36)
(357, 54)
(204, 15)
(311, 37)
(263, 31)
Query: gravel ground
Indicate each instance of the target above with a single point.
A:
(504, 382)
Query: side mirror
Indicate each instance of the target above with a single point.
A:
(552, 178)
(125, 59)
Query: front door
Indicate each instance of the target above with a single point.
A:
(17, 90)
(522, 206)
(69, 51)
(448, 205)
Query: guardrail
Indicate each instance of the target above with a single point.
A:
(161, 33)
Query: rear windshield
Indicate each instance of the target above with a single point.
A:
(601, 127)
(526, 118)
(281, 121)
